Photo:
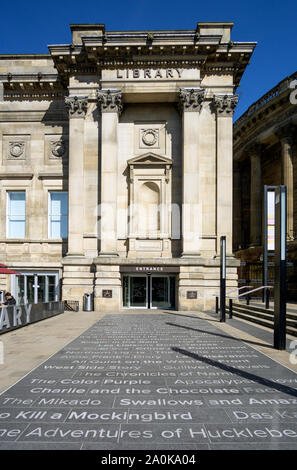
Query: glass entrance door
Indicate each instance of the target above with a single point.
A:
(160, 292)
(138, 291)
(148, 291)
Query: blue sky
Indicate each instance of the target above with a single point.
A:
(28, 27)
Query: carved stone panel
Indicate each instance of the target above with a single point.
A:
(56, 148)
(149, 136)
(16, 148)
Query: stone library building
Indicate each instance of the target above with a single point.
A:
(116, 174)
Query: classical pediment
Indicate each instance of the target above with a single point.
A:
(150, 158)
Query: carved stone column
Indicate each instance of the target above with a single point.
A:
(224, 106)
(190, 106)
(285, 135)
(237, 207)
(77, 106)
(256, 190)
(110, 103)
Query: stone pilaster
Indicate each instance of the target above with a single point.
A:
(78, 279)
(224, 106)
(110, 103)
(285, 135)
(256, 190)
(190, 106)
(77, 106)
(108, 288)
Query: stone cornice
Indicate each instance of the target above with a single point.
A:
(208, 46)
(224, 105)
(16, 176)
(254, 130)
(77, 106)
(191, 99)
(268, 101)
(32, 86)
(110, 100)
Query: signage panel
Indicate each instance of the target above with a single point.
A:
(149, 269)
(18, 316)
(270, 221)
(151, 73)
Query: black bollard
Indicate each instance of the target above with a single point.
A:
(267, 297)
(230, 308)
(217, 305)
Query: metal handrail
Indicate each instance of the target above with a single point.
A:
(237, 289)
(254, 290)
(247, 294)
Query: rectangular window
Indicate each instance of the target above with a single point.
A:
(58, 214)
(16, 214)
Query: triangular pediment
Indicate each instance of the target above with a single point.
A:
(150, 158)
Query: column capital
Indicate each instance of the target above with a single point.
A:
(190, 99)
(77, 105)
(224, 105)
(110, 100)
(254, 150)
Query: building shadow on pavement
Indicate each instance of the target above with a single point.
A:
(240, 373)
(221, 335)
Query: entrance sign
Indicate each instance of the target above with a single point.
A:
(149, 269)
(280, 268)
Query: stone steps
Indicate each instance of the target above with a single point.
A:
(262, 316)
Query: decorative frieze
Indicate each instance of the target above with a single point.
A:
(77, 106)
(190, 99)
(225, 105)
(110, 100)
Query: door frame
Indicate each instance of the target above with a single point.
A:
(129, 291)
(151, 290)
(148, 303)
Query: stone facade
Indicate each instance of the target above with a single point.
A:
(137, 129)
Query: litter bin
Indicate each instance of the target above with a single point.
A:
(88, 303)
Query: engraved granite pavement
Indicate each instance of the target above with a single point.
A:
(152, 381)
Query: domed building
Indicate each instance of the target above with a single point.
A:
(265, 154)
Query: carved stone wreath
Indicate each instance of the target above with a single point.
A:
(58, 148)
(150, 136)
(16, 149)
